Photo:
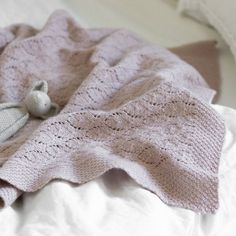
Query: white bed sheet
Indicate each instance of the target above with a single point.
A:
(114, 204)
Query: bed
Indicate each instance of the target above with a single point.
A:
(113, 203)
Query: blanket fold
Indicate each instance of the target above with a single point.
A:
(126, 104)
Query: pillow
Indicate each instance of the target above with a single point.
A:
(218, 13)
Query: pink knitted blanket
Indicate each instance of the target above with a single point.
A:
(125, 104)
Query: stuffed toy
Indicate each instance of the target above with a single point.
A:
(37, 103)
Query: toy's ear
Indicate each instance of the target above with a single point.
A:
(54, 109)
(41, 85)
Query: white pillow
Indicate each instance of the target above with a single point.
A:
(221, 14)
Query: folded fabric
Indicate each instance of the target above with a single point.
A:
(126, 104)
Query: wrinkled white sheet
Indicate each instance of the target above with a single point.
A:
(115, 205)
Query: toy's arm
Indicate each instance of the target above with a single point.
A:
(8, 105)
(12, 118)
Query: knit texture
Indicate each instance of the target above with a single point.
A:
(12, 118)
(126, 104)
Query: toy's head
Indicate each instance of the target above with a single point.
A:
(38, 103)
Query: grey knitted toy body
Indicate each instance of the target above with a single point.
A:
(14, 116)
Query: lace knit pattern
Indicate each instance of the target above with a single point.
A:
(124, 103)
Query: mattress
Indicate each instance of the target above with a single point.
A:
(114, 204)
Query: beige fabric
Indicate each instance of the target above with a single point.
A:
(127, 104)
(204, 57)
